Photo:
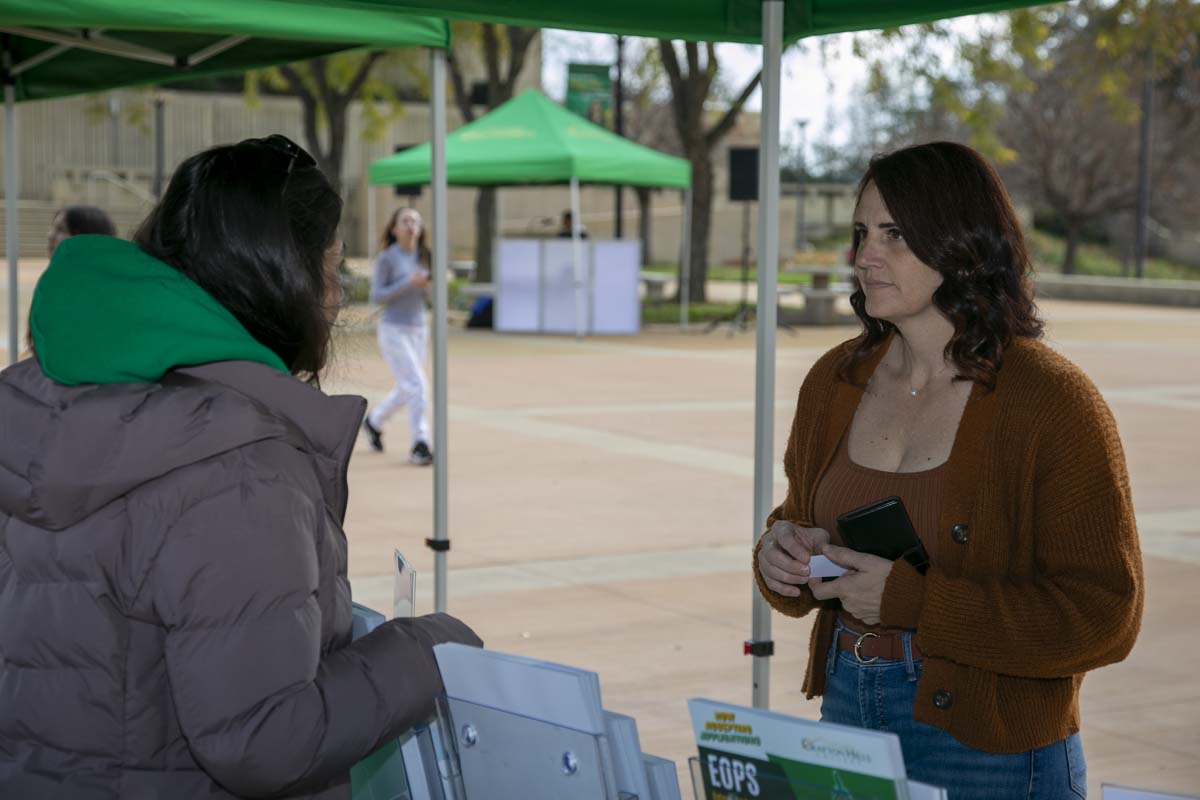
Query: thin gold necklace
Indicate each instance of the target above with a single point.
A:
(914, 392)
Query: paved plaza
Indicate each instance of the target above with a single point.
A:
(601, 515)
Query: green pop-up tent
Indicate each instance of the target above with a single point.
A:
(532, 140)
(54, 49)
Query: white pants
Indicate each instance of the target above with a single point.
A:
(403, 347)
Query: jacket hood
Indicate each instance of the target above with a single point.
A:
(106, 312)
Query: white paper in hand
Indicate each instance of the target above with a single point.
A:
(822, 567)
(404, 589)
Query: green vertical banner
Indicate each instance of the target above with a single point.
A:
(589, 92)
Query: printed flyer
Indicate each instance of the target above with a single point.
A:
(751, 754)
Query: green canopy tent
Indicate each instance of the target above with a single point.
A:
(81, 46)
(704, 20)
(532, 140)
(771, 23)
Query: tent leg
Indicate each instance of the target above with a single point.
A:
(768, 265)
(685, 259)
(441, 257)
(12, 234)
(371, 211)
(577, 259)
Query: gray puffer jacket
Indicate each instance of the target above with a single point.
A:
(174, 609)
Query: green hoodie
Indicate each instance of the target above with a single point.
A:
(106, 312)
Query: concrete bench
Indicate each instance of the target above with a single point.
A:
(655, 283)
(462, 270)
(820, 302)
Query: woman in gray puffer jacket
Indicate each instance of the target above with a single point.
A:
(174, 609)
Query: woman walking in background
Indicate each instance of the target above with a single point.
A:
(399, 285)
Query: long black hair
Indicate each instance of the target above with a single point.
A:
(252, 223)
(957, 218)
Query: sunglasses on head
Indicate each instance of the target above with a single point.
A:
(296, 155)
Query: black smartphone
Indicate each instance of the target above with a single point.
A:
(883, 529)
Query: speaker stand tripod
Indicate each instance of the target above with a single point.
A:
(739, 320)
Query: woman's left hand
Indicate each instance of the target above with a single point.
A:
(860, 589)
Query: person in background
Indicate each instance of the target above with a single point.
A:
(1009, 463)
(400, 284)
(76, 221)
(175, 612)
(566, 228)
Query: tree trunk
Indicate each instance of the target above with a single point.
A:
(485, 234)
(643, 199)
(337, 115)
(1073, 235)
(702, 179)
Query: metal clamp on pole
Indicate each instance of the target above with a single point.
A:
(438, 545)
(752, 648)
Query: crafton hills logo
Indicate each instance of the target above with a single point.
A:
(836, 751)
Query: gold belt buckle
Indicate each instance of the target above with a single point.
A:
(857, 644)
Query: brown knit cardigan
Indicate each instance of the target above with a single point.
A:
(1045, 584)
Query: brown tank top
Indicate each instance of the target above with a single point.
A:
(846, 486)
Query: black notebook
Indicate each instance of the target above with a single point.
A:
(883, 529)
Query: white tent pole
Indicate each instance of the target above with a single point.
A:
(577, 259)
(685, 269)
(12, 235)
(764, 385)
(441, 257)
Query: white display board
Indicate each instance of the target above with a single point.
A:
(535, 283)
(518, 285)
(615, 266)
(558, 285)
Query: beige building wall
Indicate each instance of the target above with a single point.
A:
(71, 151)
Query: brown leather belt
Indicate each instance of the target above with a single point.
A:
(868, 647)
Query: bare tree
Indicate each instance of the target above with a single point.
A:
(1051, 95)
(504, 49)
(1077, 137)
(648, 121)
(691, 88)
(326, 87)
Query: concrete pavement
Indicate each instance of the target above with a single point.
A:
(600, 513)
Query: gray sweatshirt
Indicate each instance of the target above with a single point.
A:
(392, 287)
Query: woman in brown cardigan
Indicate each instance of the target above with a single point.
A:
(1010, 466)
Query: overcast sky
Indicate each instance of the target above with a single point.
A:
(815, 90)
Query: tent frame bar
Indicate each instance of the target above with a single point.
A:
(99, 43)
(40, 58)
(214, 49)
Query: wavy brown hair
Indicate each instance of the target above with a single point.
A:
(956, 218)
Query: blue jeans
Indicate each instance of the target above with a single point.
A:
(880, 696)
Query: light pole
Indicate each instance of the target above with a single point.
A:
(801, 242)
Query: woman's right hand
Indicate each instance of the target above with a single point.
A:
(421, 278)
(783, 557)
(446, 628)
